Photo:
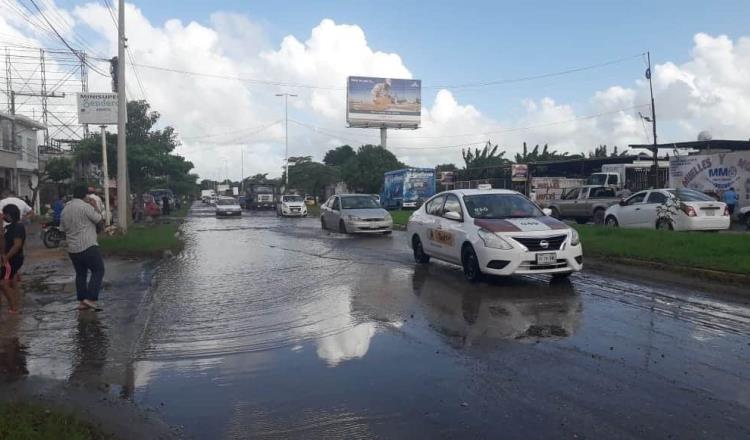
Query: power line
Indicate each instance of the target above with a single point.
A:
(62, 39)
(234, 140)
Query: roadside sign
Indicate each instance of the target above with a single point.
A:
(97, 108)
(519, 172)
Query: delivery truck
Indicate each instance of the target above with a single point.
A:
(407, 188)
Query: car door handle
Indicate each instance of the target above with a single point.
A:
(637, 209)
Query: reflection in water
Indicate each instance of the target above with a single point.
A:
(513, 308)
(12, 359)
(349, 344)
(90, 351)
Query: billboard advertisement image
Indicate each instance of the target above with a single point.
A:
(378, 102)
(713, 174)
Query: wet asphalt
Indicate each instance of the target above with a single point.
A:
(272, 328)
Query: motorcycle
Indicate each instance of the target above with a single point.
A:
(52, 236)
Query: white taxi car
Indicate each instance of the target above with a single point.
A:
(227, 206)
(493, 231)
(291, 206)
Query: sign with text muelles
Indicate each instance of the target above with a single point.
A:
(97, 108)
(713, 173)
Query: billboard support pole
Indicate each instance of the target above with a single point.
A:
(123, 196)
(384, 137)
(105, 170)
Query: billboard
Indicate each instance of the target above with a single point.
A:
(519, 172)
(97, 108)
(713, 174)
(383, 102)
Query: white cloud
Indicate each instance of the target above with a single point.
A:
(710, 91)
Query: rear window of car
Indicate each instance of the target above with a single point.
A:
(689, 195)
(602, 193)
(225, 202)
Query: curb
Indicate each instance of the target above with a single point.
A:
(397, 227)
(731, 278)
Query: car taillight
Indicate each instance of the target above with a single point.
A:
(689, 211)
(726, 211)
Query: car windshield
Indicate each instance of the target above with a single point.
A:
(597, 179)
(689, 195)
(496, 206)
(359, 202)
(292, 198)
(227, 202)
(262, 190)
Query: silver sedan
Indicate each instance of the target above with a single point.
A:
(355, 213)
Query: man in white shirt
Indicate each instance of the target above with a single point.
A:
(92, 195)
(8, 197)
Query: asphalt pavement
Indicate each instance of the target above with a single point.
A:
(272, 328)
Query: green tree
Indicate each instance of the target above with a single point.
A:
(313, 177)
(151, 158)
(338, 156)
(536, 155)
(364, 171)
(56, 170)
(446, 167)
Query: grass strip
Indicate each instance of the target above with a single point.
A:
(150, 240)
(31, 422)
(401, 217)
(726, 252)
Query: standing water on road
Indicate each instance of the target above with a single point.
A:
(271, 328)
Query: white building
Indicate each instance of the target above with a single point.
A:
(19, 157)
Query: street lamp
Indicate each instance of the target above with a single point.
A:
(286, 133)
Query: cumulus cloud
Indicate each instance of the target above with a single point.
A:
(709, 91)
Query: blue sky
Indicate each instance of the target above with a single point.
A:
(448, 42)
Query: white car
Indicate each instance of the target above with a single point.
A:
(496, 232)
(695, 211)
(226, 206)
(744, 215)
(291, 206)
(355, 213)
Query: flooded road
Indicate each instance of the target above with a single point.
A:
(272, 328)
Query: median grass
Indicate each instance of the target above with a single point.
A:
(716, 251)
(143, 240)
(31, 422)
(401, 217)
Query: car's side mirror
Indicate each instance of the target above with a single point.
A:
(622, 202)
(547, 212)
(452, 215)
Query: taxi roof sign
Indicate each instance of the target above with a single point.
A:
(484, 186)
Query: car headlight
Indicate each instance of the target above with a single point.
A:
(494, 241)
(354, 218)
(575, 239)
(387, 216)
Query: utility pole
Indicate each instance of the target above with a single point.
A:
(384, 137)
(122, 152)
(653, 122)
(242, 167)
(105, 169)
(286, 134)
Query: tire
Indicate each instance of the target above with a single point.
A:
(664, 225)
(342, 227)
(323, 224)
(599, 217)
(582, 221)
(387, 232)
(611, 221)
(51, 239)
(555, 213)
(472, 272)
(419, 256)
(747, 220)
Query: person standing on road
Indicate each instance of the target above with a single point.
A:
(57, 208)
(730, 198)
(12, 258)
(8, 197)
(79, 220)
(165, 205)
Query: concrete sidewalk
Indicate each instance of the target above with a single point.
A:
(60, 357)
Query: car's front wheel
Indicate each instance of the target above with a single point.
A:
(664, 225)
(472, 272)
(323, 224)
(611, 221)
(599, 217)
(342, 227)
(419, 255)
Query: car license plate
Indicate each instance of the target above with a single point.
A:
(546, 258)
(709, 212)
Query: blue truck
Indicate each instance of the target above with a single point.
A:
(407, 188)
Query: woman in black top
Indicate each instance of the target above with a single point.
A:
(12, 259)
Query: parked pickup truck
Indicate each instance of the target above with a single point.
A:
(584, 203)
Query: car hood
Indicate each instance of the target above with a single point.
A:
(366, 213)
(531, 224)
(293, 204)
